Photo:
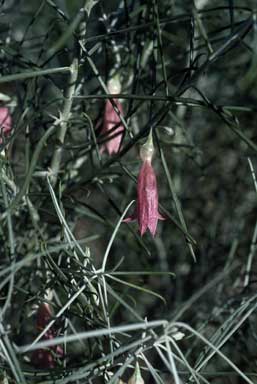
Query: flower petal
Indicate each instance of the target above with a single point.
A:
(112, 122)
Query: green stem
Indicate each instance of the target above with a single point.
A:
(31, 74)
(57, 157)
(61, 133)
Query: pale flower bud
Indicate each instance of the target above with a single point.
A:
(114, 85)
(136, 378)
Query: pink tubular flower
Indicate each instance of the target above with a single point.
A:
(147, 199)
(112, 125)
(147, 213)
(44, 358)
(5, 123)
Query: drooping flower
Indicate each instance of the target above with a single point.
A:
(112, 125)
(147, 213)
(45, 358)
(5, 123)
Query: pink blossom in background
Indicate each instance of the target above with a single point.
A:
(112, 120)
(44, 358)
(5, 123)
(44, 315)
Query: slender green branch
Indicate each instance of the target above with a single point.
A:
(64, 119)
(56, 160)
(32, 74)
